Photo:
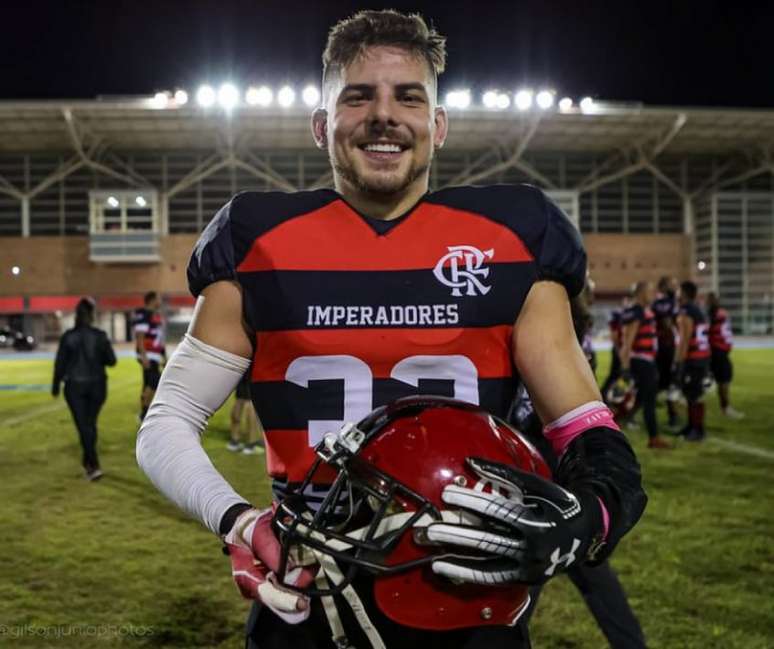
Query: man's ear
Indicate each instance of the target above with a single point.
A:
(441, 127)
(320, 128)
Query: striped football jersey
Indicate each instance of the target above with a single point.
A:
(350, 313)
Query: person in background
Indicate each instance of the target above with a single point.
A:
(638, 357)
(665, 308)
(693, 354)
(83, 353)
(243, 409)
(721, 340)
(149, 343)
(614, 325)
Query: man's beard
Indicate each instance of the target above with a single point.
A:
(380, 186)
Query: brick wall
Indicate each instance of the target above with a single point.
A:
(61, 266)
(616, 261)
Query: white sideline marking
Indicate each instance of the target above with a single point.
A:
(742, 448)
(32, 414)
(59, 405)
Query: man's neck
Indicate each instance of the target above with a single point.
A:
(382, 207)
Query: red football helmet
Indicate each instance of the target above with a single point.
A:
(390, 470)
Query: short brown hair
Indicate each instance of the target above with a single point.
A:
(348, 38)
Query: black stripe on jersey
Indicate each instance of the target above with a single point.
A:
(286, 406)
(280, 300)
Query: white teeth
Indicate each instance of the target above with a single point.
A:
(383, 148)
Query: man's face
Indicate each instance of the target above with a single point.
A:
(382, 124)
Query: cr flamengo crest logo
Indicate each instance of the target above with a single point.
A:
(463, 268)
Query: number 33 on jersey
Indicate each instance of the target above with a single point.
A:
(349, 313)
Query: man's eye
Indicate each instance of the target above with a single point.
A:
(411, 99)
(355, 99)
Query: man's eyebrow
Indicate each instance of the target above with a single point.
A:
(400, 87)
(357, 87)
(414, 85)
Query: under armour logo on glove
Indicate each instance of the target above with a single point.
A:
(567, 559)
(520, 535)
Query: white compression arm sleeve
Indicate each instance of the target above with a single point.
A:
(196, 382)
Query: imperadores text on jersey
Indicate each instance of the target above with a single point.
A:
(419, 315)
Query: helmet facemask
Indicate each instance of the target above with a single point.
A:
(360, 493)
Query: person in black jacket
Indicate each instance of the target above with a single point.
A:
(83, 353)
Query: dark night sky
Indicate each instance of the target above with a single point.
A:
(679, 53)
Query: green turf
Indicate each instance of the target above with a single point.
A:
(113, 564)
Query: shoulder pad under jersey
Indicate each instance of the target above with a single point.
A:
(231, 233)
(548, 233)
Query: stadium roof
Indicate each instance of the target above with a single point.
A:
(133, 124)
(627, 138)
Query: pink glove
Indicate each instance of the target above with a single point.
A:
(255, 555)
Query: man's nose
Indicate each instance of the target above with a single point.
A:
(382, 112)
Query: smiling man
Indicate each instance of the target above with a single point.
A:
(345, 300)
(381, 123)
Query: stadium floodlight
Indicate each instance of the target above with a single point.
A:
(15, 270)
(544, 99)
(112, 201)
(311, 96)
(490, 99)
(141, 202)
(160, 100)
(523, 99)
(261, 96)
(503, 101)
(458, 99)
(586, 104)
(228, 96)
(181, 97)
(565, 104)
(286, 96)
(701, 265)
(205, 96)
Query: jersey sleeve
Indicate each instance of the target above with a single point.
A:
(213, 257)
(560, 255)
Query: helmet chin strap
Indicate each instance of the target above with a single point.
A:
(330, 571)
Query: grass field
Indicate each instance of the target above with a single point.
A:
(113, 564)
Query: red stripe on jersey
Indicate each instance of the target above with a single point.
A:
(293, 444)
(305, 242)
(720, 335)
(488, 348)
(645, 342)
